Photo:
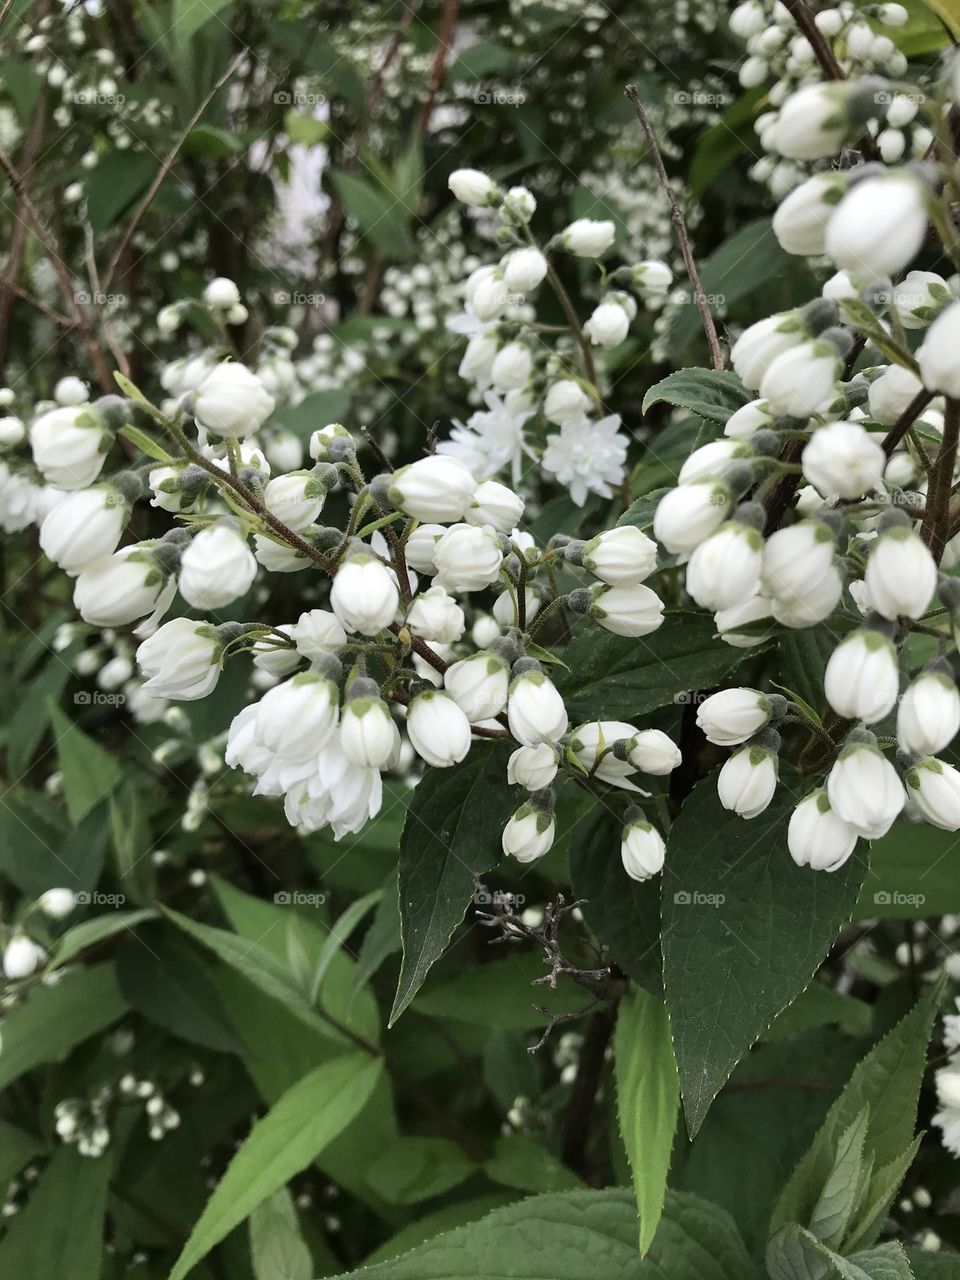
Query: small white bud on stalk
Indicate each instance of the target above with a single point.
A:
(796, 560)
(419, 548)
(505, 610)
(593, 745)
(817, 837)
(653, 752)
(436, 488)
(84, 527)
(364, 595)
(181, 660)
(844, 460)
(57, 903)
(588, 237)
(861, 680)
(890, 394)
(748, 420)
(901, 574)
(733, 624)
(633, 611)
(232, 401)
(21, 957)
(748, 780)
(814, 121)
(468, 557)
(565, 400)
(439, 731)
(71, 391)
(297, 717)
(760, 344)
(608, 324)
(800, 222)
(435, 615)
(495, 505)
(519, 203)
(652, 278)
(485, 293)
(12, 431)
(478, 358)
(222, 294)
(511, 367)
(919, 297)
(368, 735)
(69, 445)
(533, 767)
(524, 269)
(864, 788)
(642, 850)
(121, 588)
(928, 717)
(326, 441)
(317, 633)
(535, 710)
(530, 833)
(472, 186)
(748, 19)
(296, 498)
(217, 567)
(620, 556)
(479, 686)
(731, 716)
(937, 355)
(725, 569)
(803, 380)
(685, 516)
(712, 460)
(934, 788)
(879, 225)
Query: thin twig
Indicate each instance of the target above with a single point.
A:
(935, 529)
(680, 229)
(822, 51)
(448, 27)
(906, 420)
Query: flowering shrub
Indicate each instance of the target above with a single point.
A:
(531, 586)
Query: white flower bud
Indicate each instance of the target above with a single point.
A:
(57, 903)
(232, 401)
(844, 460)
(21, 957)
(879, 225)
(620, 556)
(278, 557)
(84, 527)
(532, 767)
(364, 595)
(296, 498)
(120, 588)
(642, 850)
(937, 355)
(297, 717)
(565, 401)
(747, 781)
(524, 269)
(632, 610)
(803, 380)
(748, 19)
(69, 446)
(521, 203)
(485, 292)
(725, 569)
(435, 615)
(438, 730)
(748, 420)
(217, 567)
(919, 297)
(436, 488)
(317, 633)
(471, 186)
(864, 789)
(323, 437)
(368, 734)
(592, 745)
(813, 122)
(505, 611)
(711, 460)
(180, 660)
(495, 505)
(12, 431)
(479, 686)
(732, 623)
(652, 278)
(71, 391)
(817, 837)
(928, 717)
(891, 393)
(731, 716)
(901, 575)
(812, 607)
(169, 320)
(588, 237)
(757, 347)
(511, 367)
(861, 680)
(608, 325)
(535, 710)
(653, 752)
(221, 294)
(529, 834)
(934, 789)
(800, 222)
(687, 515)
(468, 557)
(420, 547)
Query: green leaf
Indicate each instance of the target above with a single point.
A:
(55, 1019)
(744, 929)
(841, 1191)
(314, 411)
(382, 939)
(190, 15)
(145, 443)
(912, 874)
(859, 315)
(88, 932)
(413, 1169)
(38, 851)
(119, 179)
(648, 1101)
(519, 1161)
(637, 676)
(712, 394)
(795, 1254)
(277, 1249)
(16, 1148)
(289, 1137)
(382, 217)
(339, 933)
(452, 833)
(59, 1233)
(89, 772)
(498, 996)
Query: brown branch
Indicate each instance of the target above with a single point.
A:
(935, 529)
(781, 495)
(448, 28)
(18, 235)
(680, 230)
(393, 48)
(906, 420)
(822, 51)
(8, 287)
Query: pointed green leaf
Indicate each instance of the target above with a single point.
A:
(89, 772)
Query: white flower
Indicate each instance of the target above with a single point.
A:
(642, 850)
(479, 686)
(712, 460)
(529, 834)
(620, 556)
(180, 660)
(934, 789)
(891, 393)
(803, 380)
(725, 569)
(901, 574)
(296, 498)
(588, 237)
(800, 222)
(21, 957)
(948, 1097)
(608, 325)
(532, 767)
(747, 781)
(731, 716)
(928, 717)
(632, 610)
(57, 903)
(217, 567)
(71, 391)
(84, 527)
(653, 752)
(433, 488)
(278, 557)
(748, 19)
(496, 505)
(368, 734)
(486, 293)
(813, 606)
(918, 298)
(471, 186)
(593, 742)
(844, 459)
(322, 440)
(937, 356)
(732, 623)
(652, 278)
(861, 680)
(12, 430)
(512, 367)
(222, 294)
(565, 401)
(505, 610)
(748, 419)
(520, 203)
(864, 789)
(689, 514)
(879, 225)
(524, 269)
(796, 559)
(364, 595)
(817, 837)
(587, 457)
(813, 122)
(478, 358)
(232, 401)
(535, 710)
(759, 345)
(468, 557)
(335, 793)
(419, 548)
(438, 730)
(169, 320)
(120, 588)
(491, 440)
(297, 717)
(69, 446)
(435, 615)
